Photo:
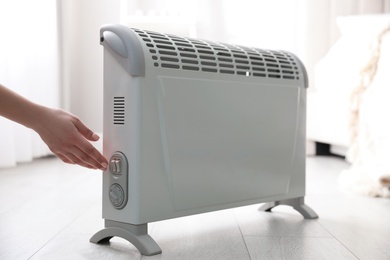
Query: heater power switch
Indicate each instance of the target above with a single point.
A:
(115, 165)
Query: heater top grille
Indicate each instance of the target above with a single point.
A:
(173, 52)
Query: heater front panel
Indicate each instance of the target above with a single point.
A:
(226, 142)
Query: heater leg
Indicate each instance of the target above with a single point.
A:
(135, 234)
(297, 203)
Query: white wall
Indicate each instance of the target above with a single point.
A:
(82, 56)
(277, 24)
(28, 66)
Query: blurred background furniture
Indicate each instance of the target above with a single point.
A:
(338, 73)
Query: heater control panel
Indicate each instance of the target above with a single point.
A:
(118, 187)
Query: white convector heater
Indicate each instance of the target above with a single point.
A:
(193, 126)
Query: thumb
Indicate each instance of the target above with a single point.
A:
(85, 131)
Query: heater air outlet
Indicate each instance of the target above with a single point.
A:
(119, 111)
(173, 52)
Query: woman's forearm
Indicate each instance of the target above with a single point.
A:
(64, 133)
(19, 109)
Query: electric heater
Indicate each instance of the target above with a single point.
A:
(193, 126)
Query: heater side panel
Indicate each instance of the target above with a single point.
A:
(120, 141)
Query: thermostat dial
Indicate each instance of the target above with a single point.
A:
(117, 195)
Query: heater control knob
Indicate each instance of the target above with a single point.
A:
(117, 195)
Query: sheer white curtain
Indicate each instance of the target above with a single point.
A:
(257, 23)
(299, 26)
(29, 66)
(305, 27)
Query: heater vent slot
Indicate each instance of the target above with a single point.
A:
(119, 111)
(179, 53)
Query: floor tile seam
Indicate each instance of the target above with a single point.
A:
(61, 230)
(242, 235)
(289, 236)
(338, 240)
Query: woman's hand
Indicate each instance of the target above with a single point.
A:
(64, 133)
(67, 137)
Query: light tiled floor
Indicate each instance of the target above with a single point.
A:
(49, 210)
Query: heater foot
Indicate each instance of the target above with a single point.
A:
(297, 203)
(135, 234)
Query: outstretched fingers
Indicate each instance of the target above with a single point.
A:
(88, 154)
(85, 131)
(76, 160)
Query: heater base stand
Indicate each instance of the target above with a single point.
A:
(297, 203)
(135, 234)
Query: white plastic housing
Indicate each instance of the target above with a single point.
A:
(204, 126)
